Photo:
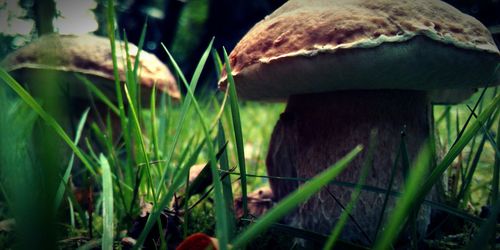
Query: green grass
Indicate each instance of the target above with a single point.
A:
(107, 213)
(256, 143)
(294, 199)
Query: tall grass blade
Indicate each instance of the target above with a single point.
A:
(443, 115)
(467, 135)
(138, 135)
(98, 93)
(139, 48)
(486, 130)
(455, 212)
(112, 39)
(367, 164)
(294, 199)
(472, 169)
(226, 185)
(107, 209)
(130, 77)
(220, 207)
(178, 180)
(28, 99)
(154, 131)
(405, 164)
(65, 177)
(185, 106)
(164, 121)
(217, 62)
(238, 135)
(404, 205)
(389, 188)
(496, 169)
(434, 205)
(205, 177)
(202, 183)
(478, 103)
(118, 89)
(71, 213)
(180, 177)
(186, 150)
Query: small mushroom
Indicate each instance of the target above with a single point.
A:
(170, 230)
(347, 67)
(64, 56)
(199, 241)
(90, 56)
(259, 201)
(48, 66)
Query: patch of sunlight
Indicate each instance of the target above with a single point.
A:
(75, 17)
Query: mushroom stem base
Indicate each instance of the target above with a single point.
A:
(316, 130)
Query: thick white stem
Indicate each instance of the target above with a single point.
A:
(316, 130)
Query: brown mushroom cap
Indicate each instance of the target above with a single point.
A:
(259, 202)
(198, 241)
(91, 56)
(325, 45)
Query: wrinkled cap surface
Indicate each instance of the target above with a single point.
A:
(90, 56)
(309, 46)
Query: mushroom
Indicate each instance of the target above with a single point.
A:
(61, 56)
(88, 55)
(259, 201)
(199, 241)
(347, 67)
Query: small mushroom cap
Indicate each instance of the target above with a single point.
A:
(259, 202)
(325, 45)
(199, 241)
(90, 56)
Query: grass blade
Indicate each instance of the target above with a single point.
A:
(235, 114)
(226, 185)
(28, 99)
(185, 107)
(486, 129)
(139, 48)
(98, 93)
(180, 178)
(118, 89)
(220, 207)
(496, 170)
(138, 135)
(459, 145)
(389, 188)
(470, 174)
(65, 178)
(154, 131)
(295, 198)
(404, 206)
(131, 82)
(367, 164)
(107, 210)
(204, 178)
